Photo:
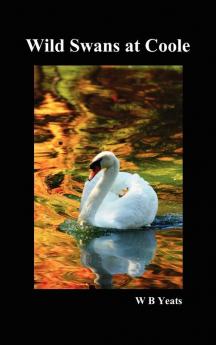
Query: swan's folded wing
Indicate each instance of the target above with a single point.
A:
(136, 208)
(123, 180)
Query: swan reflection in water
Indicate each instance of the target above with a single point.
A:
(125, 252)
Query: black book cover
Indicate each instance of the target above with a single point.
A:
(140, 91)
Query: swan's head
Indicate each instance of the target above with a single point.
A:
(103, 160)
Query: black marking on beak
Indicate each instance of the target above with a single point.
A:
(95, 164)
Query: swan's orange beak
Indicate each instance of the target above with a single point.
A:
(94, 172)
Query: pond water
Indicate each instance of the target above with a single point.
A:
(136, 112)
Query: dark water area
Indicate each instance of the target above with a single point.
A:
(136, 112)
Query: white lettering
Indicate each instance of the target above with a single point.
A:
(147, 45)
(74, 45)
(35, 44)
(151, 300)
(140, 300)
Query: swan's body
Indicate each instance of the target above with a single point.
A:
(102, 204)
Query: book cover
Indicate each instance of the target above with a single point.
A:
(115, 166)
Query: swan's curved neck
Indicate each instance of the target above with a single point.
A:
(98, 194)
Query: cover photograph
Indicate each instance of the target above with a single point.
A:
(108, 144)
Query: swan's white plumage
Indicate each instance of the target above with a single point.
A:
(136, 208)
(123, 180)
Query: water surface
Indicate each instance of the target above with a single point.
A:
(136, 112)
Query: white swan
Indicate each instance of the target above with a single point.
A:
(103, 203)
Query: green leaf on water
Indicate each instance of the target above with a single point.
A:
(72, 196)
(40, 199)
